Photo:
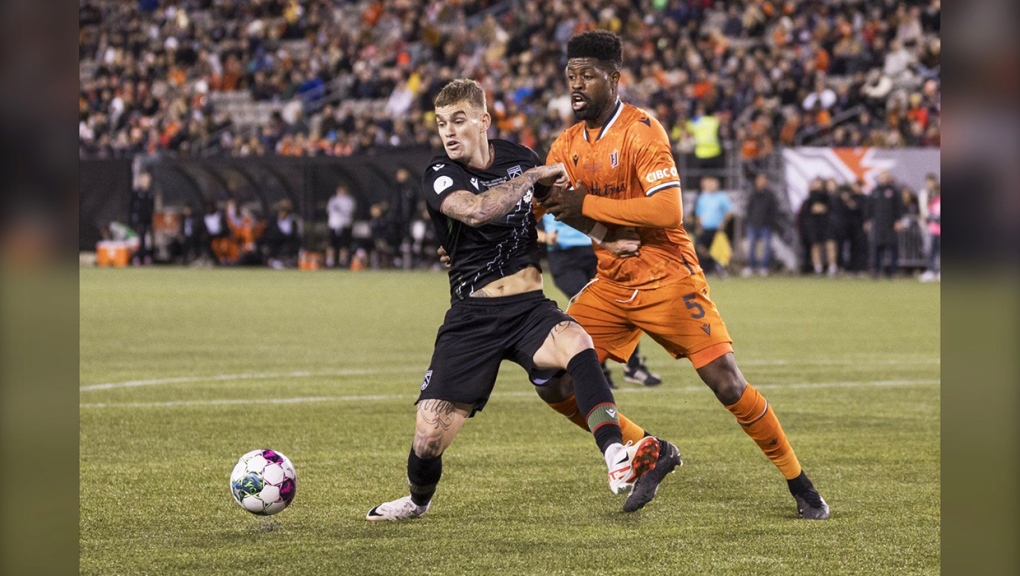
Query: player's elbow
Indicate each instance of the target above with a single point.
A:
(670, 219)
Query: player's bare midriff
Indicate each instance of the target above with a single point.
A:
(526, 280)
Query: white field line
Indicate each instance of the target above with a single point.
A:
(422, 367)
(410, 397)
(259, 376)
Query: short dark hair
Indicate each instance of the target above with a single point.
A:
(461, 90)
(601, 45)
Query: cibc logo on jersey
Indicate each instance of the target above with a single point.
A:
(660, 174)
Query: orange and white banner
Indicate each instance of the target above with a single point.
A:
(908, 166)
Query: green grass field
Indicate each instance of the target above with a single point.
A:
(182, 371)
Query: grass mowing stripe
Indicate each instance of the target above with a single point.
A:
(417, 368)
(363, 398)
(228, 377)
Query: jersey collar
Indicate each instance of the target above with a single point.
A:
(612, 119)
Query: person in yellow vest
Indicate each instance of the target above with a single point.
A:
(707, 146)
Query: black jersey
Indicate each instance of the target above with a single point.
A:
(492, 251)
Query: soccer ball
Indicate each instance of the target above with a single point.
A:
(263, 482)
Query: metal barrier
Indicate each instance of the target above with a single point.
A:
(913, 252)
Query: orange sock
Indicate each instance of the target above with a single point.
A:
(631, 432)
(755, 415)
(569, 409)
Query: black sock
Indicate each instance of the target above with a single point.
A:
(634, 362)
(800, 484)
(423, 476)
(594, 398)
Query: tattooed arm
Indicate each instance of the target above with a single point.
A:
(479, 209)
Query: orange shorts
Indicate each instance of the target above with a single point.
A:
(679, 316)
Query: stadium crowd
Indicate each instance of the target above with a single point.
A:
(352, 76)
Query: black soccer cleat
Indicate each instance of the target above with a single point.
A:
(640, 374)
(647, 485)
(810, 504)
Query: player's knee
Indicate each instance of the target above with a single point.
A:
(428, 444)
(725, 379)
(576, 340)
(556, 390)
(729, 389)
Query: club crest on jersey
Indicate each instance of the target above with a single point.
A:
(515, 171)
(425, 382)
(614, 159)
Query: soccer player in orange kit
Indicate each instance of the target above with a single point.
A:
(620, 162)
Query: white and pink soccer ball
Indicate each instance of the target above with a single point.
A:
(263, 482)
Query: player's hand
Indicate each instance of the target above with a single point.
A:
(622, 242)
(552, 175)
(444, 258)
(565, 202)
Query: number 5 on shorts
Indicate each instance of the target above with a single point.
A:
(692, 305)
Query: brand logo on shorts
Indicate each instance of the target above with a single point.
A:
(425, 382)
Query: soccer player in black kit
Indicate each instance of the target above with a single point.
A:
(479, 198)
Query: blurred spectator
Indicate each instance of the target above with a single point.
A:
(713, 211)
(119, 232)
(819, 228)
(192, 244)
(707, 146)
(756, 144)
(340, 217)
(762, 214)
(282, 237)
(217, 232)
(402, 211)
(142, 208)
(934, 224)
(426, 242)
(382, 248)
(851, 241)
(821, 98)
(883, 220)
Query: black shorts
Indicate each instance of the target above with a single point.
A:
(340, 238)
(818, 229)
(477, 335)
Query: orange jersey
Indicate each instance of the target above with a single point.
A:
(630, 158)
